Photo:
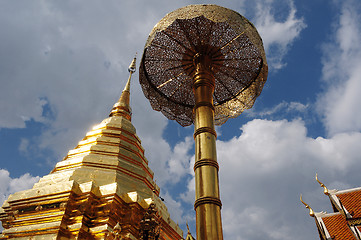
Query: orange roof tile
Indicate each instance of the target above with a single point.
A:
(337, 226)
(352, 202)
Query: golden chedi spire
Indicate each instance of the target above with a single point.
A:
(122, 107)
(102, 189)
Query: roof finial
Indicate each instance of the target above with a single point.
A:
(189, 235)
(122, 108)
(312, 213)
(325, 190)
(187, 227)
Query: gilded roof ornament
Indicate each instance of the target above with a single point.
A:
(189, 235)
(312, 213)
(325, 189)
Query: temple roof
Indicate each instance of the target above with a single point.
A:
(351, 201)
(337, 227)
(345, 222)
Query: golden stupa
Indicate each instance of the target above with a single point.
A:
(102, 189)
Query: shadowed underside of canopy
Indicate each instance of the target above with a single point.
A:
(234, 47)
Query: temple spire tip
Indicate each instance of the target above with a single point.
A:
(131, 69)
(132, 66)
(122, 108)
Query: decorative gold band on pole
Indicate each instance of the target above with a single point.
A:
(203, 162)
(203, 130)
(203, 104)
(207, 200)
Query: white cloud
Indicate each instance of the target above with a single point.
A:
(339, 104)
(256, 216)
(23, 146)
(189, 195)
(169, 165)
(277, 35)
(263, 171)
(179, 162)
(174, 208)
(62, 56)
(280, 109)
(73, 65)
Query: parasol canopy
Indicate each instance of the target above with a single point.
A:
(237, 61)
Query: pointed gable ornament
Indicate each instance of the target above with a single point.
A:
(189, 235)
(325, 189)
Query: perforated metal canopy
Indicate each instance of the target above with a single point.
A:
(238, 62)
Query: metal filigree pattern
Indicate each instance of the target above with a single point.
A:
(238, 62)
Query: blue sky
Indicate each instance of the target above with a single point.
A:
(63, 65)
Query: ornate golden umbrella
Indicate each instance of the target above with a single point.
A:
(203, 64)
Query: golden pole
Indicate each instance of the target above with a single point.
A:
(207, 202)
